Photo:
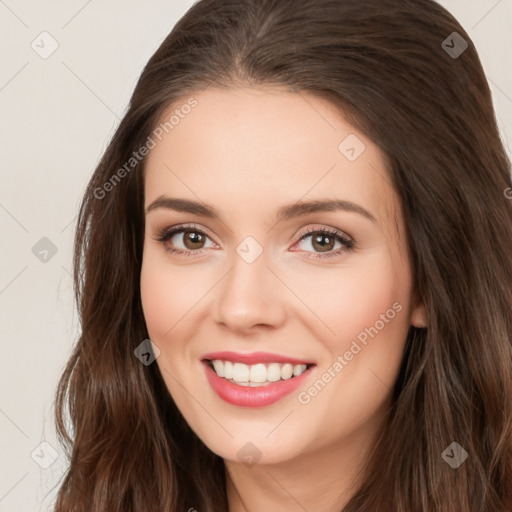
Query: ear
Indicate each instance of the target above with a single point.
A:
(419, 316)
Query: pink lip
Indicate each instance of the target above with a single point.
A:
(246, 396)
(253, 358)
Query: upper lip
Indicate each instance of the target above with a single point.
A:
(253, 358)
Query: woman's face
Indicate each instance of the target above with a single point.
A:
(306, 308)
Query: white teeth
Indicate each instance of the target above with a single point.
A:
(219, 367)
(297, 369)
(228, 370)
(287, 371)
(240, 372)
(274, 372)
(257, 374)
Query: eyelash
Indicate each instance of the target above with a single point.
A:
(167, 233)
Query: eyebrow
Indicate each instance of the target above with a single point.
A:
(284, 213)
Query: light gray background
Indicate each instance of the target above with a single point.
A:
(57, 116)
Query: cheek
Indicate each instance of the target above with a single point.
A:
(350, 299)
(364, 298)
(157, 305)
(371, 322)
(365, 307)
(168, 292)
(368, 312)
(161, 295)
(167, 295)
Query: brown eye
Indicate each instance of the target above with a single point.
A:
(184, 240)
(323, 242)
(193, 240)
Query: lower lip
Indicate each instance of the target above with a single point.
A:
(246, 396)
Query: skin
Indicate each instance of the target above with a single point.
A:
(246, 152)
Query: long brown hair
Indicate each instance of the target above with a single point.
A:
(401, 77)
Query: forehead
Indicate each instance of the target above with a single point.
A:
(266, 147)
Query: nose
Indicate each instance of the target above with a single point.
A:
(250, 295)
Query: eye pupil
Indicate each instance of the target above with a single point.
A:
(193, 237)
(323, 247)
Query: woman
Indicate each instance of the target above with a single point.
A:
(305, 210)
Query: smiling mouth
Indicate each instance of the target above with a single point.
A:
(256, 375)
